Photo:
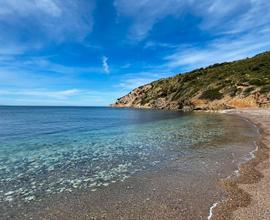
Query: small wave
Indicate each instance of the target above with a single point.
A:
(211, 210)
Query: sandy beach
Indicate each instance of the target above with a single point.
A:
(249, 192)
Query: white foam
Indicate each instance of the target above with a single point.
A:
(211, 210)
(29, 198)
(252, 153)
(237, 172)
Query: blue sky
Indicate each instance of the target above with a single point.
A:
(90, 52)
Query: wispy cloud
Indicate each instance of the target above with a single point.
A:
(239, 15)
(44, 64)
(31, 24)
(134, 80)
(53, 94)
(49, 7)
(216, 51)
(7, 50)
(239, 29)
(157, 45)
(251, 16)
(75, 97)
(149, 11)
(41, 93)
(132, 83)
(39, 65)
(105, 65)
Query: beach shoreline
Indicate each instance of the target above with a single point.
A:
(175, 189)
(248, 196)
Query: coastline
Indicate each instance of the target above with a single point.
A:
(161, 192)
(184, 188)
(248, 191)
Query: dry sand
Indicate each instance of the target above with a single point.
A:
(250, 192)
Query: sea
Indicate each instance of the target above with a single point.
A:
(116, 163)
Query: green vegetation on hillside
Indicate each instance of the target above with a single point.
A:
(250, 76)
(216, 81)
(211, 94)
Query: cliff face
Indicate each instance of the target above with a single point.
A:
(244, 83)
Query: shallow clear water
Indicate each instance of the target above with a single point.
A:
(49, 150)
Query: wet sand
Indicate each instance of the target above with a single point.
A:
(249, 194)
(153, 195)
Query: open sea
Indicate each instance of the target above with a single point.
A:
(108, 163)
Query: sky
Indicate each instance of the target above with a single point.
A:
(91, 52)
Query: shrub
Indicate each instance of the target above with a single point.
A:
(248, 90)
(265, 89)
(211, 94)
(257, 82)
(232, 90)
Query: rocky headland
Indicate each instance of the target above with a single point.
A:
(239, 84)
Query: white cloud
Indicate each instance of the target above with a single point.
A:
(40, 66)
(239, 29)
(60, 94)
(36, 72)
(47, 97)
(238, 15)
(145, 13)
(216, 51)
(133, 80)
(133, 83)
(31, 24)
(11, 50)
(50, 7)
(105, 64)
(13, 7)
(154, 45)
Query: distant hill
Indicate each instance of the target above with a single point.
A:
(243, 83)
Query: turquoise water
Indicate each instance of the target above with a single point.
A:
(50, 150)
